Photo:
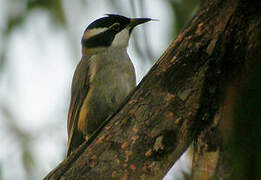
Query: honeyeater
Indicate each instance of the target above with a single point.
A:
(103, 78)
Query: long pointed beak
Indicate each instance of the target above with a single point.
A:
(136, 21)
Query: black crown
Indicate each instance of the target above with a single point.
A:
(108, 21)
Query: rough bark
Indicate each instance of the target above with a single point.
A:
(179, 100)
(216, 154)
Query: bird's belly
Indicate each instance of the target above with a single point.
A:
(110, 87)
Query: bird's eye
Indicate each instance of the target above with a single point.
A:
(115, 27)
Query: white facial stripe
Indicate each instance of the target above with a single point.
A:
(92, 32)
(122, 38)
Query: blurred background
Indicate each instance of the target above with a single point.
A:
(39, 50)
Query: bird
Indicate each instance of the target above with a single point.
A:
(103, 78)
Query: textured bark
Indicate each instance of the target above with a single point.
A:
(216, 154)
(179, 100)
(206, 153)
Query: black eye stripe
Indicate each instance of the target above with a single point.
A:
(115, 27)
(115, 23)
(103, 39)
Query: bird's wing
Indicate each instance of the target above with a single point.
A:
(79, 91)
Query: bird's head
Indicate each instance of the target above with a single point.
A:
(111, 31)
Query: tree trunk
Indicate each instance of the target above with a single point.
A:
(184, 97)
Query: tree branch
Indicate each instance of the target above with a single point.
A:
(177, 100)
